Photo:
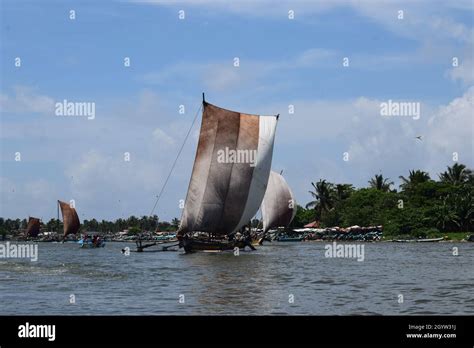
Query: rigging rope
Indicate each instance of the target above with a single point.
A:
(176, 159)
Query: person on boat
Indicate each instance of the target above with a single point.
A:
(248, 241)
(94, 239)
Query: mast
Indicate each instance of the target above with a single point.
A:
(58, 221)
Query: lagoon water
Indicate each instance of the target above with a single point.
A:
(106, 282)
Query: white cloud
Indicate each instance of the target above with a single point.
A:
(26, 100)
(311, 58)
(27, 197)
(224, 76)
(421, 18)
(181, 70)
(250, 7)
(320, 131)
(106, 183)
(88, 158)
(160, 136)
(451, 129)
(451, 29)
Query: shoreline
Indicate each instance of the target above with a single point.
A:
(403, 241)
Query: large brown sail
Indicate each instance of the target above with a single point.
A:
(70, 219)
(278, 206)
(33, 227)
(223, 195)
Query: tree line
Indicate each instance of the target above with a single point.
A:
(144, 223)
(422, 206)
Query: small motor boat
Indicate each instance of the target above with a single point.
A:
(88, 243)
(290, 239)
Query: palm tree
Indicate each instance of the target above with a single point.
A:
(380, 183)
(144, 225)
(154, 222)
(415, 177)
(132, 221)
(445, 216)
(343, 191)
(461, 203)
(175, 223)
(457, 174)
(322, 196)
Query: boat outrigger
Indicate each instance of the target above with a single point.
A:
(142, 247)
(421, 240)
(228, 180)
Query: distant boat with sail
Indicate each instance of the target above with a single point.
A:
(278, 206)
(225, 192)
(71, 223)
(33, 227)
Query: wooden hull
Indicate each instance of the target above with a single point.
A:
(192, 245)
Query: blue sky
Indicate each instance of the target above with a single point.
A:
(282, 62)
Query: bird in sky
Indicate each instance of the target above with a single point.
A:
(418, 137)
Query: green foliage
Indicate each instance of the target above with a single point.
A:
(323, 197)
(303, 216)
(415, 178)
(457, 174)
(423, 208)
(175, 223)
(380, 183)
(164, 226)
(145, 223)
(368, 207)
(132, 231)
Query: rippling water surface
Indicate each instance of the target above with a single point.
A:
(104, 281)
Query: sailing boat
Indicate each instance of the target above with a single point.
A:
(278, 206)
(33, 227)
(71, 221)
(228, 180)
